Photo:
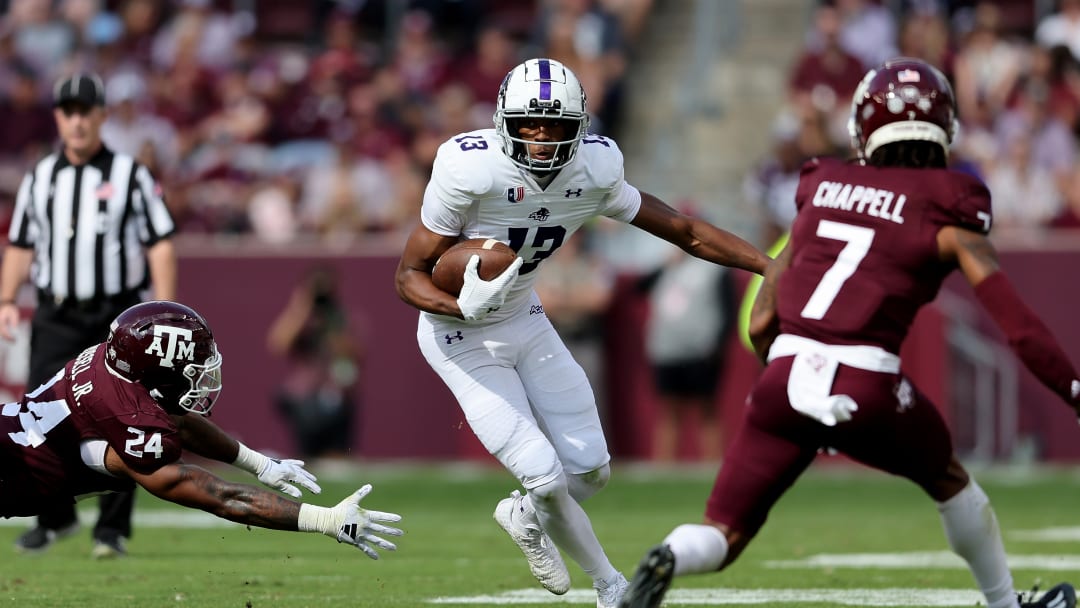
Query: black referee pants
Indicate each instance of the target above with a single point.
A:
(58, 333)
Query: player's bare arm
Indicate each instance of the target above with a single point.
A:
(15, 269)
(698, 237)
(192, 486)
(195, 487)
(972, 252)
(1029, 338)
(413, 276)
(764, 322)
(200, 436)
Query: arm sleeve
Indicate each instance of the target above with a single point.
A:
(623, 204)
(22, 231)
(150, 204)
(1028, 336)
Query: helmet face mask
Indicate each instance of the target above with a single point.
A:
(170, 350)
(904, 99)
(202, 389)
(541, 89)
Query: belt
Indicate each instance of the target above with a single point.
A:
(94, 303)
(870, 358)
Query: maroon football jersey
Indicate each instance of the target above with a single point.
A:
(864, 248)
(41, 435)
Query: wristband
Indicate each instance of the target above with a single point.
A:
(316, 519)
(249, 460)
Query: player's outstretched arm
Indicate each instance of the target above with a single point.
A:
(200, 436)
(764, 321)
(195, 487)
(1028, 336)
(697, 237)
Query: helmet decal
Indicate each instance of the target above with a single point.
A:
(178, 344)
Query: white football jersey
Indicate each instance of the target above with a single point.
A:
(477, 192)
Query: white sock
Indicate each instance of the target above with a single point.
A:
(569, 527)
(698, 548)
(972, 531)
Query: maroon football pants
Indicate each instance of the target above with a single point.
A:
(896, 429)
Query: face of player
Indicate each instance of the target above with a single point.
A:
(80, 128)
(542, 130)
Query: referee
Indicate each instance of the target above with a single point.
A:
(90, 230)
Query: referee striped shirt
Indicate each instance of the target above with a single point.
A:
(89, 224)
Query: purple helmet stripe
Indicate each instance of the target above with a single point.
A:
(545, 78)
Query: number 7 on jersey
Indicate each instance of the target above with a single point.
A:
(858, 241)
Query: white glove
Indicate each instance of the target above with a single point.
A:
(479, 298)
(277, 474)
(348, 523)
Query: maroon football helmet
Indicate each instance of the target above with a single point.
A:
(904, 99)
(168, 348)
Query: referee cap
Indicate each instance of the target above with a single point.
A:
(86, 89)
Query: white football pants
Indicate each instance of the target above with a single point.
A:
(522, 393)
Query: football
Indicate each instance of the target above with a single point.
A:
(449, 272)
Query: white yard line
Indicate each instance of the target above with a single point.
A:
(921, 560)
(143, 519)
(745, 597)
(1047, 535)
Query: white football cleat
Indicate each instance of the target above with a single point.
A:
(545, 562)
(608, 596)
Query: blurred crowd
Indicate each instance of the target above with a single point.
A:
(312, 121)
(1015, 68)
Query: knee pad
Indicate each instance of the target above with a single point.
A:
(533, 461)
(584, 485)
(550, 488)
(546, 496)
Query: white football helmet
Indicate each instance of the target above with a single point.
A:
(540, 88)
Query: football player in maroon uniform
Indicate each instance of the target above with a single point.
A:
(122, 412)
(872, 243)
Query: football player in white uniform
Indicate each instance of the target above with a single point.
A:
(530, 182)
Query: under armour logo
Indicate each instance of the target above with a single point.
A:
(180, 345)
(573, 193)
(451, 337)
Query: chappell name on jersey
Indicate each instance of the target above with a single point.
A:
(874, 202)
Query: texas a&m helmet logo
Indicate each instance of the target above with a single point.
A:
(171, 343)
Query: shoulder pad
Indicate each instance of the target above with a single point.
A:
(969, 206)
(463, 163)
(602, 161)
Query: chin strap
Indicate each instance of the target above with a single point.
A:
(1029, 337)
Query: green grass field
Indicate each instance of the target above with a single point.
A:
(838, 536)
